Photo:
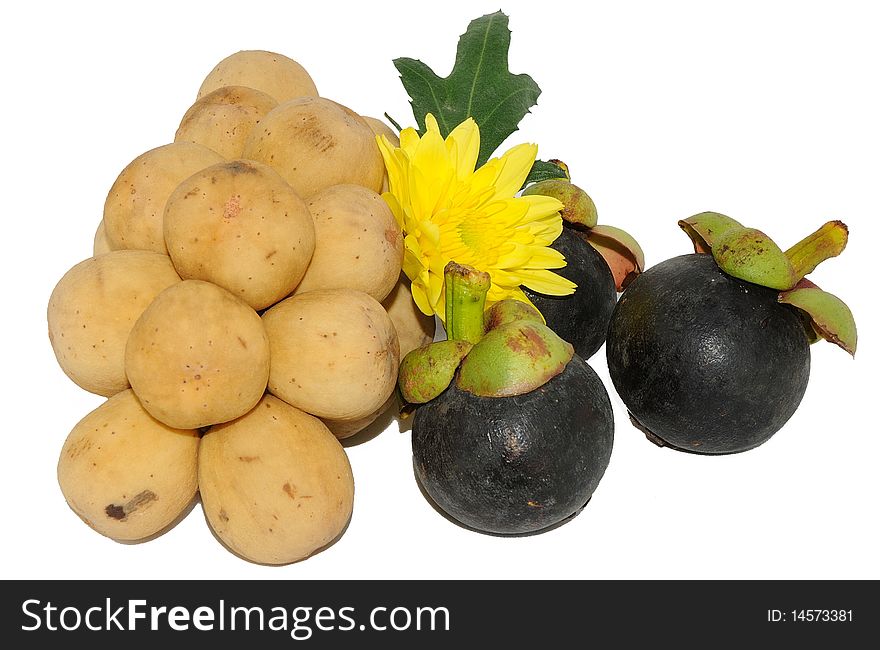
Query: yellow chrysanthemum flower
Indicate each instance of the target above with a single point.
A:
(451, 212)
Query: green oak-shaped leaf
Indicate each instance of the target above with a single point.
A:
(543, 170)
(480, 86)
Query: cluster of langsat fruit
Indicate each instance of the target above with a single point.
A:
(242, 312)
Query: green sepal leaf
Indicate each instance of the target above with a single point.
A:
(749, 254)
(705, 227)
(427, 371)
(830, 317)
(577, 206)
(508, 311)
(513, 359)
(480, 86)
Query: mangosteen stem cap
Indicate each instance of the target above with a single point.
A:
(514, 359)
(748, 254)
(577, 206)
(426, 371)
(510, 310)
(466, 290)
(827, 315)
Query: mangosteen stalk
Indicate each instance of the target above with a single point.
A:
(466, 290)
(828, 241)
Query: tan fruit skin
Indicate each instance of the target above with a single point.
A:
(334, 353)
(274, 74)
(343, 429)
(276, 486)
(378, 127)
(315, 143)
(223, 119)
(136, 202)
(93, 309)
(414, 329)
(126, 475)
(101, 244)
(197, 356)
(358, 242)
(239, 225)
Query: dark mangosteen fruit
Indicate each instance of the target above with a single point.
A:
(600, 260)
(514, 465)
(582, 317)
(709, 351)
(513, 431)
(705, 361)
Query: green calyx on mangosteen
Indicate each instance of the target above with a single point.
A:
(710, 351)
(497, 353)
(600, 260)
(513, 430)
(748, 254)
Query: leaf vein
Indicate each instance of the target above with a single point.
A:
(503, 100)
(427, 82)
(479, 65)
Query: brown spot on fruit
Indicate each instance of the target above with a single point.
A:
(289, 490)
(82, 446)
(240, 167)
(248, 459)
(115, 512)
(392, 236)
(232, 208)
(140, 500)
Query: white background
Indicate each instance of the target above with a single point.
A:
(766, 111)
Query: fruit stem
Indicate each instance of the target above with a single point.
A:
(828, 241)
(466, 290)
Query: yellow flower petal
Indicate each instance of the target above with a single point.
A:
(449, 210)
(396, 210)
(546, 282)
(532, 257)
(409, 140)
(421, 298)
(431, 124)
(540, 206)
(465, 141)
(517, 163)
